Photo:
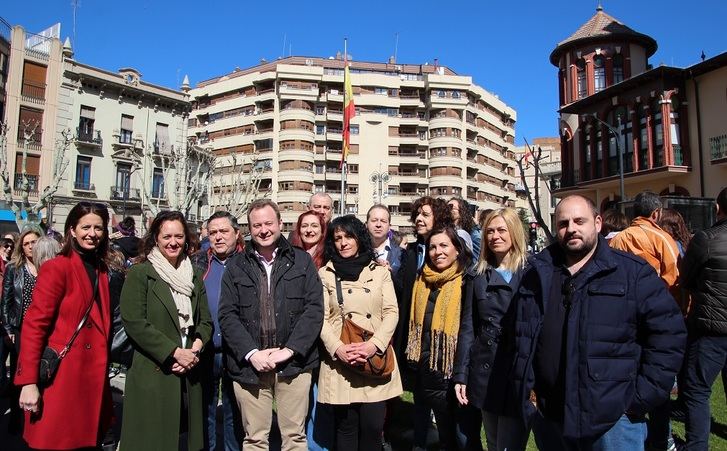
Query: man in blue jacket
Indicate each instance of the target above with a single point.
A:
(599, 339)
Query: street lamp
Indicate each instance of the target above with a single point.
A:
(380, 179)
(617, 137)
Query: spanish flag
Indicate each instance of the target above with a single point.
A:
(349, 110)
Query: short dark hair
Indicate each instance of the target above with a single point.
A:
(440, 209)
(645, 203)
(80, 210)
(464, 259)
(381, 207)
(613, 221)
(351, 226)
(722, 201)
(257, 204)
(588, 201)
(150, 239)
(226, 215)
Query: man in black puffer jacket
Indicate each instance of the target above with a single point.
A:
(704, 273)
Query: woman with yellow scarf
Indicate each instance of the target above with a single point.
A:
(441, 301)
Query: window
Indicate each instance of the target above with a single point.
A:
(161, 141)
(618, 68)
(354, 129)
(581, 75)
(85, 124)
(381, 91)
(674, 131)
(599, 73)
(83, 173)
(32, 119)
(658, 133)
(127, 129)
(157, 183)
(34, 80)
(320, 110)
(320, 129)
(32, 169)
(123, 178)
(441, 94)
(455, 94)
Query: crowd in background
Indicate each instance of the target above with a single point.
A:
(580, 344)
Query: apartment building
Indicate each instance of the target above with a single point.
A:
(418, 129)
(122, 129)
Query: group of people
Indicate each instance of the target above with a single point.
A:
(581, 343)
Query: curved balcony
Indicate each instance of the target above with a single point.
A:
(297, 133)
(445, 180)
(295, 175)
(446, 141)
(298, 114)
(445, 161)
(445, 122)
(295, 155)
(293, 196)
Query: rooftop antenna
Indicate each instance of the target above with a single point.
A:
(75, 4)
(285, 38)
(290, 49)
(396, 46)
(599, 7)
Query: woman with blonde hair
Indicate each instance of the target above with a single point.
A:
(486, 341)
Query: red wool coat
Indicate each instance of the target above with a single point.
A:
(76, 409)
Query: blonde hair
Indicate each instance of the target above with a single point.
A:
(518, 251)
(18, 259)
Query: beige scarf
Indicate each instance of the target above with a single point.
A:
(181, 284)
(445, 318)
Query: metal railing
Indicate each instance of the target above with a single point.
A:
(718, 145)
(124, 192)
(89, 136)
(84, 185)
(32, 183)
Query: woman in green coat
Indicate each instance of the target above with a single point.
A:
(165, 314)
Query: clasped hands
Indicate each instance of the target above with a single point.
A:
(267, 359)
(186, 359)
(356, 353)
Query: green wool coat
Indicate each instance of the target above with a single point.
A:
(153, 394)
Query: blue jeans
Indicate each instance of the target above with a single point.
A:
(706, 356)
(320, 429)
(230, 422)
(504, 433)
(627, 434)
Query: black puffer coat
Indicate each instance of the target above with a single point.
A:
(704, 274)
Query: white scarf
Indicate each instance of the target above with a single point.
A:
(181, 284)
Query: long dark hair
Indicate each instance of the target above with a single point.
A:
(297, 240)
(150, 239)
(351, 226)
(673, 223)
(466, 220)
(80, 210)
(464, 259)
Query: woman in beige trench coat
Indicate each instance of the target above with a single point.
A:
(359, 402)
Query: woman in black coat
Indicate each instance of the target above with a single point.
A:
(486, 344)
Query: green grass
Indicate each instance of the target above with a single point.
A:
(717, 440)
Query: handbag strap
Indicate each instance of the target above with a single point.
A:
(83, 320)
(339, 294)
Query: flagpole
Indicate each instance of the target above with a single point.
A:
(342, 205)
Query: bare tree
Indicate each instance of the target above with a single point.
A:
(238, 184)
(534, 200)
(23, 189)
(186, 172)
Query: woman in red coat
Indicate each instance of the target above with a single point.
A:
(75, 410)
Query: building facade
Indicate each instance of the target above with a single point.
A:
(122, 130)
(627, 126)
(418, 130)
(543, 155)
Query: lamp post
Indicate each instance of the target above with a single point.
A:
(379, 179)
(617, 137)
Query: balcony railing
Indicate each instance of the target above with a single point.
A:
(718, 145)
(89, 136)
(33, 92)
(157, 193)
(32, 183)
(84, 185)
(124, 192)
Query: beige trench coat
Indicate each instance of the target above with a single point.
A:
(371, 302)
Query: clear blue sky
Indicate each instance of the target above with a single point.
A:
(503, 45)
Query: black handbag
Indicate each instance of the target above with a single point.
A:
(51, 359)
(121, 349)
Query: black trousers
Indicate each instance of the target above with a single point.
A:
(359, 426)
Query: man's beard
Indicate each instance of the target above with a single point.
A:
(580, 251)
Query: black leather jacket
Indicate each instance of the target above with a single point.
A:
(12, 299)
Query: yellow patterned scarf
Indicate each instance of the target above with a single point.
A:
(445, 319)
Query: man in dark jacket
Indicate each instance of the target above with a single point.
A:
(599, 339)
(271, 314)
(704, 273)
(224, 237)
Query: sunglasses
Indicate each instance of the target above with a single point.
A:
(8, 246)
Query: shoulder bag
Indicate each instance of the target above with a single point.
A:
(51, 359)
(378, 366)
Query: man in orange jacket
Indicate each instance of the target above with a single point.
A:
(650, 242)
